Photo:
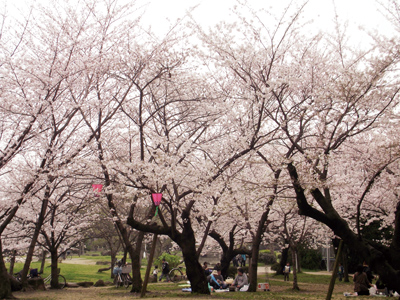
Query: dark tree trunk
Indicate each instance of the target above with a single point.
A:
(283, 261)
(133, 253)
(137, 281)
(113, 262)
(345, 264)
(255, 251)
(298, 262)
(228, 252)
(186, 241)
(38, 226)
(43, 262)
(54, 269)
(382, 260)
(194, 270)
(12, 262)
(5, 285)
(294, 269)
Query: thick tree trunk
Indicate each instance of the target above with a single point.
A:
(253, 265)
(228, 252)
(255, 251)
(186, 241)
(137, 281)
(283, 261)
(194, 270)
(294, 269)
(345, 264)
(38, 226)
(5, 285)
(383, 260)
(113, 262)
(12, 262)
(54, 269)
(43, 262)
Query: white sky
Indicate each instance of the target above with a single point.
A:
(364, 13)
(161, 13)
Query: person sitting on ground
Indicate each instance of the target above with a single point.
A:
(33, 273)
(367, 270)
(361, 283)
(217, 281)
(206, 269)
(241, 279)
(217, 266)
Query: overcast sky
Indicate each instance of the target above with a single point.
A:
(366, 13)
(161, 13)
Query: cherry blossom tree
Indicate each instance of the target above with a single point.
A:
(69, 214)
(322, 95)
(47, 67)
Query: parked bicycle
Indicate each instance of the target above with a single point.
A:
(68, 255)
(176, 274)
(124, 278)
(61, 280)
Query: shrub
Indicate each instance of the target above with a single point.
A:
(173, 260)
(275, 266)
(267, 258)
(310, 259)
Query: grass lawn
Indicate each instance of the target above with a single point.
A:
(279, 290)
(312, 286)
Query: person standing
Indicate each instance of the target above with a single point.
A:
(286, 272)
(341, 272)
(235, 262)
(240, 260)
(165, 270)
(243, 261)
(155, 273)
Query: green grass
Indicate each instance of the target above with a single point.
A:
(72, 272)
(79, 273)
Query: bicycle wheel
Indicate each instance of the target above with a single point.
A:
(118, 280)
(61, 281)
(127, 280)
(176, 275)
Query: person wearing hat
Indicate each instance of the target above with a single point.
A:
(240, 280)
(217, 281)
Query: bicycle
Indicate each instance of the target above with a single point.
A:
(62, 282)
(124, 278)
(61, 279)
(68, 255)
(176, 274)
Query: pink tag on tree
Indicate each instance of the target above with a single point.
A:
(157, 200)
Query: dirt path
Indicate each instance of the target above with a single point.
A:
(79, 261)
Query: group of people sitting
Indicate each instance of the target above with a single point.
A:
(216, 280)
(363, 278)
